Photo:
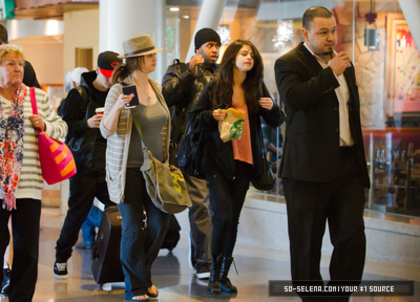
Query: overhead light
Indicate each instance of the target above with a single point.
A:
(371, 35)
(174, 9)
(284, 33)
(224, 33)
(186, 17)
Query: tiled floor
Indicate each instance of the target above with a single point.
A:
(175, 281)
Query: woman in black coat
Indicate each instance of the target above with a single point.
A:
(229, 166)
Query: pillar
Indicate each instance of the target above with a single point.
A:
(123, 19)
(210, 13)
(411, 10)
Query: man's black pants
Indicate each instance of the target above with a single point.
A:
(84, 188)
(341, 203)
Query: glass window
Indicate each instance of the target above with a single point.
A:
(380, 43)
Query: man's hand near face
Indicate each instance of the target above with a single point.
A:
(196, 60)
(339, 63)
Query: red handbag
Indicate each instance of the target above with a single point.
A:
(57, 162)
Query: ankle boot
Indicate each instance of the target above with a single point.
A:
(214, 280)
(225, 284)
(6, 281)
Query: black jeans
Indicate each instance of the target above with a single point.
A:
(25, 226)
(227, 198)
(84, 188)
(139, 249)
(199, 217)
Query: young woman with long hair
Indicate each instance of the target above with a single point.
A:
(229, 166)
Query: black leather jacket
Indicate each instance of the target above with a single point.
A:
(181, 91)
(77, 110)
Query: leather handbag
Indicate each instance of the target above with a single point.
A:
(57, 162)
(191, 153)
(164, 182)
(264, 178)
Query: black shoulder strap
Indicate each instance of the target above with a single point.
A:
(83, 93)
(84, 104)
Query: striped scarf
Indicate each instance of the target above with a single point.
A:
(12, 130)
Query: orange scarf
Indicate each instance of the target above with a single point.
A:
(12, 130)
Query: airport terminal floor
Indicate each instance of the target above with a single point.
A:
(177, 283)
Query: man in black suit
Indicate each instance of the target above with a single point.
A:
(323, 168)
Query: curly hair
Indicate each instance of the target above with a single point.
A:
(10, 49)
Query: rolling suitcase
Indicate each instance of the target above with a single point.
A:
(172, 235)
(106, 264)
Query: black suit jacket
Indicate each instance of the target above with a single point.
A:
(312, 145)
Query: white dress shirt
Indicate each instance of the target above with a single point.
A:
(343, 96)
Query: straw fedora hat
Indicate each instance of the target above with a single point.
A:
(137, 46)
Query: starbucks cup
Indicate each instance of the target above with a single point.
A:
(99, 111)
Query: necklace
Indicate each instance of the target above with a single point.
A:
(148, 96)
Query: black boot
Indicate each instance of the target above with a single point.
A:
(225, 284)
(214, 280)
(6, 282)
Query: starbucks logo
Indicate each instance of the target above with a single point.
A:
(237, 129)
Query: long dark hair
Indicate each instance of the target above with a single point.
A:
(223, 88)
(122, 71)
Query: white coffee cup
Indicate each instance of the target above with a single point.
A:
(99, 111)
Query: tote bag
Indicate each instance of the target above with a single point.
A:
(57, 162)
(164, 182)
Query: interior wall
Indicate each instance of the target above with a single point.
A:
(46, 59)
(81, 30)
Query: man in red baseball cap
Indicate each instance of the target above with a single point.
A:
(107, 61)
(88, 148)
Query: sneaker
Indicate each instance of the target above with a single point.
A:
(60, 270)
(84, 246)
(203, 271)
(6, 282)
(191, 252)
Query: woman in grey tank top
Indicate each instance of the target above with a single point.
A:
(124, 158)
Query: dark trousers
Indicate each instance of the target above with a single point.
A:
(25, 227)
(199, 217)
(139, 249)
(227, 198)
(341, 203)
(84, 188)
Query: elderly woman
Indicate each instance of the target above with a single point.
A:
(124, 157)
(20, 169)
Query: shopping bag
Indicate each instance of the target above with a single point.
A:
(232, 126)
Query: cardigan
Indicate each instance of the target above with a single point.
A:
(119, 140)
(31, 180)
(219, 154)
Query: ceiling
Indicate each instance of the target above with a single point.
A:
(55, 12)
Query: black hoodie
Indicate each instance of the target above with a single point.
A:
(77, 110)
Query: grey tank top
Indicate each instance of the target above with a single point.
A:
(152, 120)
